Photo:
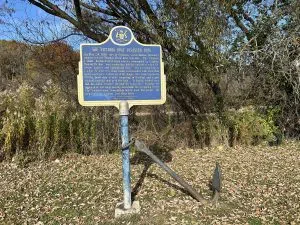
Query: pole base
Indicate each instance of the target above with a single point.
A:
(120, 211)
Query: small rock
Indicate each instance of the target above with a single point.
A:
(57, 161)
(220, 147)
(173, 218)
(14, 165)
(39, 223)
(2, 215)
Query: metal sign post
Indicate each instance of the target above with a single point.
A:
(121, 72)
(124, 112)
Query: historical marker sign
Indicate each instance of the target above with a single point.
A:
(121, 69)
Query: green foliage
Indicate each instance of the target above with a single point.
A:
(50, 125)
(250, 127)
(246, 127)
(254, 221)
(45, 125)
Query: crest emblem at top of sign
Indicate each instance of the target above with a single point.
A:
(121, 35)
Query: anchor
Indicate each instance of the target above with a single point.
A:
(215, 183)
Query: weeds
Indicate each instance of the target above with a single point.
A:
(51, 125)
(45, 124)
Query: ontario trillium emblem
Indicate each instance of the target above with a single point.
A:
(121, 36)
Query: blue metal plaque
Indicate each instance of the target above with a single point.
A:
(121, 69)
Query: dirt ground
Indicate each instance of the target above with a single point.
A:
(261, 185)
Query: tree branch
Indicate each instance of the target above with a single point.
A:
(50, 8)
(248, 18)
(239, 23)
(48, 42)
(96, 8)
(45, 4)
(78, 10)
(41, 6)
(156, 23)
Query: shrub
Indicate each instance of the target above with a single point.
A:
(49, 124)
(246, 127)
(250, 127)
(45, 123)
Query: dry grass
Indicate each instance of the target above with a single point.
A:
(261, 185)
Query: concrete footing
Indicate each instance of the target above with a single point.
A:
(120, 211)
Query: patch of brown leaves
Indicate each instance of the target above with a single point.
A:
(261, 185)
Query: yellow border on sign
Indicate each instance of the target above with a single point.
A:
(117, 102)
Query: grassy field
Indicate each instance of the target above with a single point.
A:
(261, 185)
